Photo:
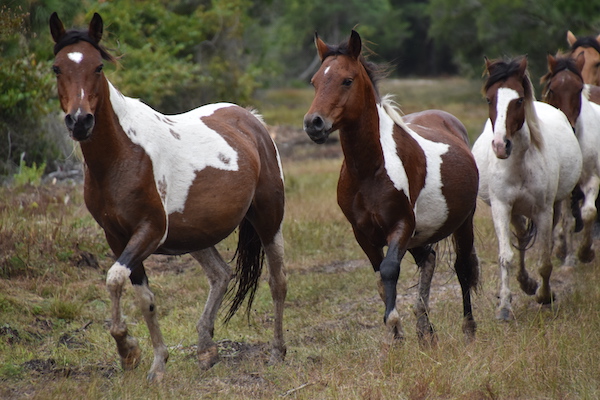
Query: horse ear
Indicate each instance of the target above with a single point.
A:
(571, 39)
(96, 27)
(57, 29)
(354, 45)
(322, 48)
(488, 65)
(580, 61)
(551, 62)
(523, 66)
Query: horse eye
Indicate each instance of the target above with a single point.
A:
(99, 69)
(489, 101)
(347, 82)
(520, 101)
(56, 70)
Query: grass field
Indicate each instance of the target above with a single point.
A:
(55, 344)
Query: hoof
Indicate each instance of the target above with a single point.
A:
(155, 377)
(428, 339)
(504, 314)
(133, 355)
(208, 357)
(544, 298)
(469, 328)
(586, 255)
(277, 355)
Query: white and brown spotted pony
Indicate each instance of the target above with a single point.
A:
(174, 184)
(405, 183)
(529, 162)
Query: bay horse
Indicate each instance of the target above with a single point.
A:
(565, 89)
(174, 184)
(529, 162)
(405, 182)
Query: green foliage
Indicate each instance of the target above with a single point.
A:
(29, 175)
(508, 28)
(25, 93)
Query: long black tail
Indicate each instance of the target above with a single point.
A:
(250, 259)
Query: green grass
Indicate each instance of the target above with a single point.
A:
(54, 339)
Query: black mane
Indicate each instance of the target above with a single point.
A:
(501, 70)
(586, 41)
(75, 36)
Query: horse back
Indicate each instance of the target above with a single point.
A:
(440, 121)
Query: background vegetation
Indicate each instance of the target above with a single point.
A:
(179, 54)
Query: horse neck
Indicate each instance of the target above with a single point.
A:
(360, 141)
(104, 148)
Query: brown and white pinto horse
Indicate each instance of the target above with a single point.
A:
(529, 162)
(405, 183)
(172, 185)
(565, 89)
(589, 46)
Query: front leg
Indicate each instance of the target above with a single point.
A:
(390, 271)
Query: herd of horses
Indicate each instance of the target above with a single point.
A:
(182, 183)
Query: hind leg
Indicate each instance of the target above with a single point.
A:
(467, 271)
(425, 259)
(543, 294)
(524, 235)
(219, 274)
(278, 286)
(585, 252)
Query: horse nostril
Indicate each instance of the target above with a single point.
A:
(508, 145)
(88, 121)
(69, 122)
(318, 123)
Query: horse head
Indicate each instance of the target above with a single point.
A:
(507, 92)
(590, 47)
(564, 85)
(78, 67)
(342, 86)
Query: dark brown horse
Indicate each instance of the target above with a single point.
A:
(405, 183)
(172, 185)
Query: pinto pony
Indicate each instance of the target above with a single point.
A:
(172, 184)
(529, 162)
(565, 89)
(405, 183)
(589, 46)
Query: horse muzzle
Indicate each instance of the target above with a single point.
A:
(317, 128)
(502, 149)
(80, 125)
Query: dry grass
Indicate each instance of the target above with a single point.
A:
(54, 341)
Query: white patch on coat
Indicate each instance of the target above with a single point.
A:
(431, 210)
(195, 148)
(76, 57)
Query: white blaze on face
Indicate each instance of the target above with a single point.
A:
(326, 70)
(76, 57)
(178, 145)
(503, 98)
(431, 210)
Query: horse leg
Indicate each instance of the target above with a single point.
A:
(145, 300)
(425, 259)
(467, 271)
(543, 294)
(586, 254)
(375, 256)
(563, 233)
(219, 274)
(390, 271)
(501, 217)
(524, 235)
(127, 346)
(278, 286)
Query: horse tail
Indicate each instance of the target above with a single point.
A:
(250, 259)
(527, 240)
